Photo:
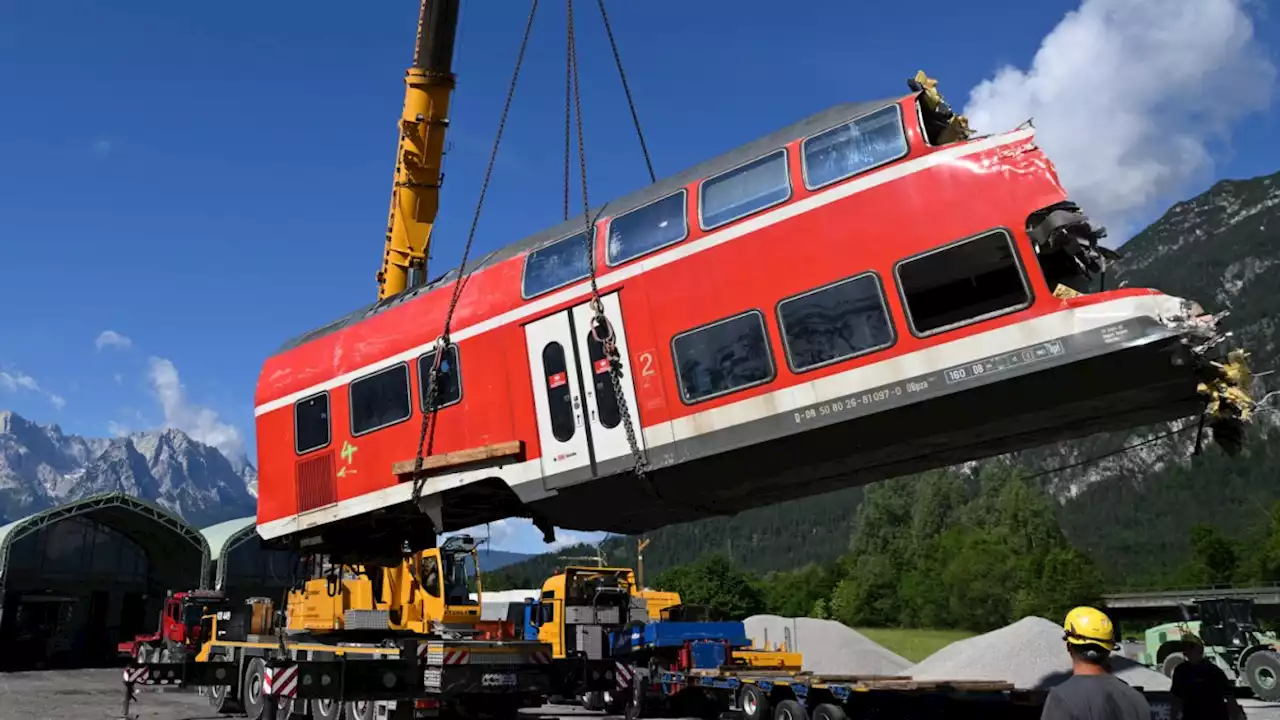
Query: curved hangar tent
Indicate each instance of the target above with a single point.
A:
(242, 567)
(77, 579)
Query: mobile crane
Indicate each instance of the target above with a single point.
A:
(368, 628)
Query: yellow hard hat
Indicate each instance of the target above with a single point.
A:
(1089, 626)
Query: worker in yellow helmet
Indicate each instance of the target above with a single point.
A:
(1092, 692)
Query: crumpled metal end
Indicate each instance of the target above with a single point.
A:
(1229, 404)
(957, 125)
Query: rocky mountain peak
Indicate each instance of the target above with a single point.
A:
(40, 467)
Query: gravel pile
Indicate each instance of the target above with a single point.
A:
(1029, 653)
(828, 647)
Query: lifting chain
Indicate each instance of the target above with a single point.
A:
(432, 392)
(600, 323)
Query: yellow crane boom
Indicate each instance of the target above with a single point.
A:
(415, 196)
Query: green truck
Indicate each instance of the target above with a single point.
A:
(1232, 640)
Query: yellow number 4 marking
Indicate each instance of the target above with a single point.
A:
(348, 450)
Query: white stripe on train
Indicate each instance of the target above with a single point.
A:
(678, 252)
(855, 380)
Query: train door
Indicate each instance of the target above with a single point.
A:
(580, 422)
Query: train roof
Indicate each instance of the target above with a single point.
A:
(726, 161)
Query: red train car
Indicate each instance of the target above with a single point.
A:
(848, 299)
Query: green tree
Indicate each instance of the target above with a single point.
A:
(714, 582)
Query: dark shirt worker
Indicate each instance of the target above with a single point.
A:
(1201, 687)
(1092, 692)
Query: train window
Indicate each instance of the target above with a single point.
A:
(448, 380)
(962, 283)
(846, 150)
(606, 398)
(649, 228)
(556, 265)
(559, 397)
(759, 184)
(722, 357)
(845, 319)
(380, 399)
(311, 423)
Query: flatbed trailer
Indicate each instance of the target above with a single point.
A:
(762, 695)
(266, 678)
(689, 669)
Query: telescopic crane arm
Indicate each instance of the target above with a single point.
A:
(415, 197)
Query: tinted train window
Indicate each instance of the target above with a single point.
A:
(556, 265)
(559, 396)
(448, 381)
(834, 323)
(646, 229)
(380, 399)
(311, 423)
(856, 146)
(722, 357)
(606, 398)
(744, 190)
(966, 282)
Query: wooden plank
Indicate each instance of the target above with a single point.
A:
(510, 449)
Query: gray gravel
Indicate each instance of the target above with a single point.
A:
(1029, 653)
(828, 647)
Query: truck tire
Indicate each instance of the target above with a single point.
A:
(251, 689)
(1171, 662)
(754, 703)
(358, 710)
(1262, 672)
(790, 710)
(220, 698)
(326, 709)
(828, 711)
(615, 702)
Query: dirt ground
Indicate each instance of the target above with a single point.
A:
(97, 695)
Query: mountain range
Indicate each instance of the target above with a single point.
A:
(1126, 498)
(41, 466)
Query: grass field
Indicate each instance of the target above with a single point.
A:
(914, 645)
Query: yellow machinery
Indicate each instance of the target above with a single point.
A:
(415, 197)
(428, 587)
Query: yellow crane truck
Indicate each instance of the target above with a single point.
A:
(397, 630)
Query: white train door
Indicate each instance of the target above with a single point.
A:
(580, 422)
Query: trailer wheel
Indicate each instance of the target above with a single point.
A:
(754, 703)
(615, 703)
(251, 692)
(1171, 663)
(634, 708)
(358, 710)
(220, 698)
(1262, 670)
(790, 710)
(326, 709)
(827, 711)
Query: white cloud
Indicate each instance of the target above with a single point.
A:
(201, 423)
(16, 380)
(519, 535)
(117, 429)
(1126, 94)
(112, 339)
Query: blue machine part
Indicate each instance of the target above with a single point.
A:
(675, 634)
(708, 654)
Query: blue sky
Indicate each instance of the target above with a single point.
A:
(205, 181)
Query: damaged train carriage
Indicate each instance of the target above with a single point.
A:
(867, 293)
